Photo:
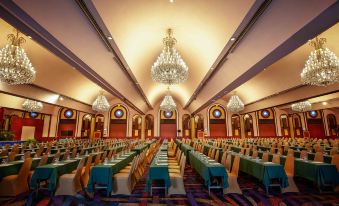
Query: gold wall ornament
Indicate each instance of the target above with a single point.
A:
(322, 66)
(15, 66)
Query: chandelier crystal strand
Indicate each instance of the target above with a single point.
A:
(100, 104)
(168, 103)
(32, 106)
(302, 106)
(169, 68)
(235, 105)
(15, 67)
(322, 66)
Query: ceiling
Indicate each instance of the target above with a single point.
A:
(263, 62)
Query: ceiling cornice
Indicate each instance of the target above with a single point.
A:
(19, 19)
(94, 18)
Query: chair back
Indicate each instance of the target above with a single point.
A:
(242, 151)
(255, 154)
(11, 156)
(66, 155)
(235, 166)
(228, 162)
(304, 154)
(276, 159)
(290, 152)
(182, 166)
(79, 169)
(27, 154)
(216, 157)
(74, 152)
(3, 152)
(97, 159)
(223, 158)
(265, 157)
(333, 151)
(272, 150)
(335, 161)
(247, 151)
(319, 157)
(56, 156)
(82, 152)
(24, 170)
(289, 165)
(43, 160)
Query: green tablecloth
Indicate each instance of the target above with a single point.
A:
(208, 170)
(178, 142)
(103, 174)
(186, 149)
(207, 147)
(139, 149)
(264, 171)
(158, 171)
(13, 168)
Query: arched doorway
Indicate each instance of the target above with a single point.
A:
(168, 124)
(86, 126)
(149, 126)
(136, 126)
(99, 126)
(186, 127)
(67, 122)
(285, 126)
(332, 125)
(297, 126)
(248, 125)
(118, 123)
(199, 125)
(217, 121)
(236, 128)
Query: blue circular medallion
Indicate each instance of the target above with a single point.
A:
(265, 113)
(68, 113)
(217, 113)
(313, 113)
(168, 114)
(118, 113)
(33, 115)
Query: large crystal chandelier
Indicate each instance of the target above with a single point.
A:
(168, 103)
(301, 106)
(169, 68)
(235, 105)
(32, 106)
(322, 66)
(15, 67)
(100, 104)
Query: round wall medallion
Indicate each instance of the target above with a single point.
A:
(118, 113)
(313, 114)
(217, 113)
(33, 115)
(68, 113)
(265, 113)
(168, 114)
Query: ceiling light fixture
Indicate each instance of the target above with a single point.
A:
(169, 68)
(100, 104)
(109, 37)
(302, 106)
(235, 105)
(168, 103)
(324, 103)
(32, 106)
(322, 65)
(233, 39)
(61, 98)
(15, 67)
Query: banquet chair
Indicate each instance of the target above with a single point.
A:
(122, 183)
(228, 162)
(304, 154)
(255, 154)
(66, 155)
(319, 157)
(216, 157)
(86, 171)
(177, 180)
(103, 157)
(333, 151)
(212, 154)
(56, 156)
(13, 185)
(97, 159)
(74, 152)
(290, 152)
(276, 159)
(3, 152)
(223, 158)
(289, 170)
(172, 152)
(233, 186)
(247, 151)
(280, 151)
(11, 156)
(272, 150)
(335, 161)
(39, 152)
(27, 154)
(176, 168)
(70, 184)
(265, 157)
(242, 151)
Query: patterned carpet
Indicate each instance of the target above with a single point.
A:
(197, 195)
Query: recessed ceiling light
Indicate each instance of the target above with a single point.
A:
(61, 98)
(212, 68)
(233, 39)
(324, 103)
(29, 37)
(109, 38)
(171, 1)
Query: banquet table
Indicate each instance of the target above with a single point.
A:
(102, 174)
(158, 170)
(140, 148)
(208, 170)
(263, 171)
(207, 147)
(185, 148)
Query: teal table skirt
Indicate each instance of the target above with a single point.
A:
(103, 174)
(186, 149)
(158, 172)
(13, 168)
(140, 149)
(208, 171)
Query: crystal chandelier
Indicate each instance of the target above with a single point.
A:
(100, 104)
(15, 67)
(169, 68)
(301, 106)
(235, 105)
(168, 103)
(32, 106)
(322, 66)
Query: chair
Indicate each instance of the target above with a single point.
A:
(242, 151)
(177, 180)
(70, 184)
(56, 156)
(74, 153)
(290, 152)
(3, 152)
(11, 156)
(289, 170)
(265, 157)
(319, 157)
(122, 183)
(97, 159)
(276, 159)
(27, 154)
(223, 158)
(228, 162)
(335, 161)
(255, 154)
(66, 155)
(233, 186)
(13, 185)
(216, 157)
(86, 171)
(304, 154)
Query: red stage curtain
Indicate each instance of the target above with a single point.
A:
(218, 130)
(118, 130)
(168, 130)
(316, 130)
(267, 130)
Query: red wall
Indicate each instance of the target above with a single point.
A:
(168, 130)
(266, 130)
(118, 130)
(218, 130)
(65, 127)
(17, 123)
(316, 130)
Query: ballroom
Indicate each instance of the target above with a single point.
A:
(169, 102)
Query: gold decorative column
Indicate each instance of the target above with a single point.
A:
(193, 128)
(143, 127)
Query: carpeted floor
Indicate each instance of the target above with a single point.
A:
(197, 194)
